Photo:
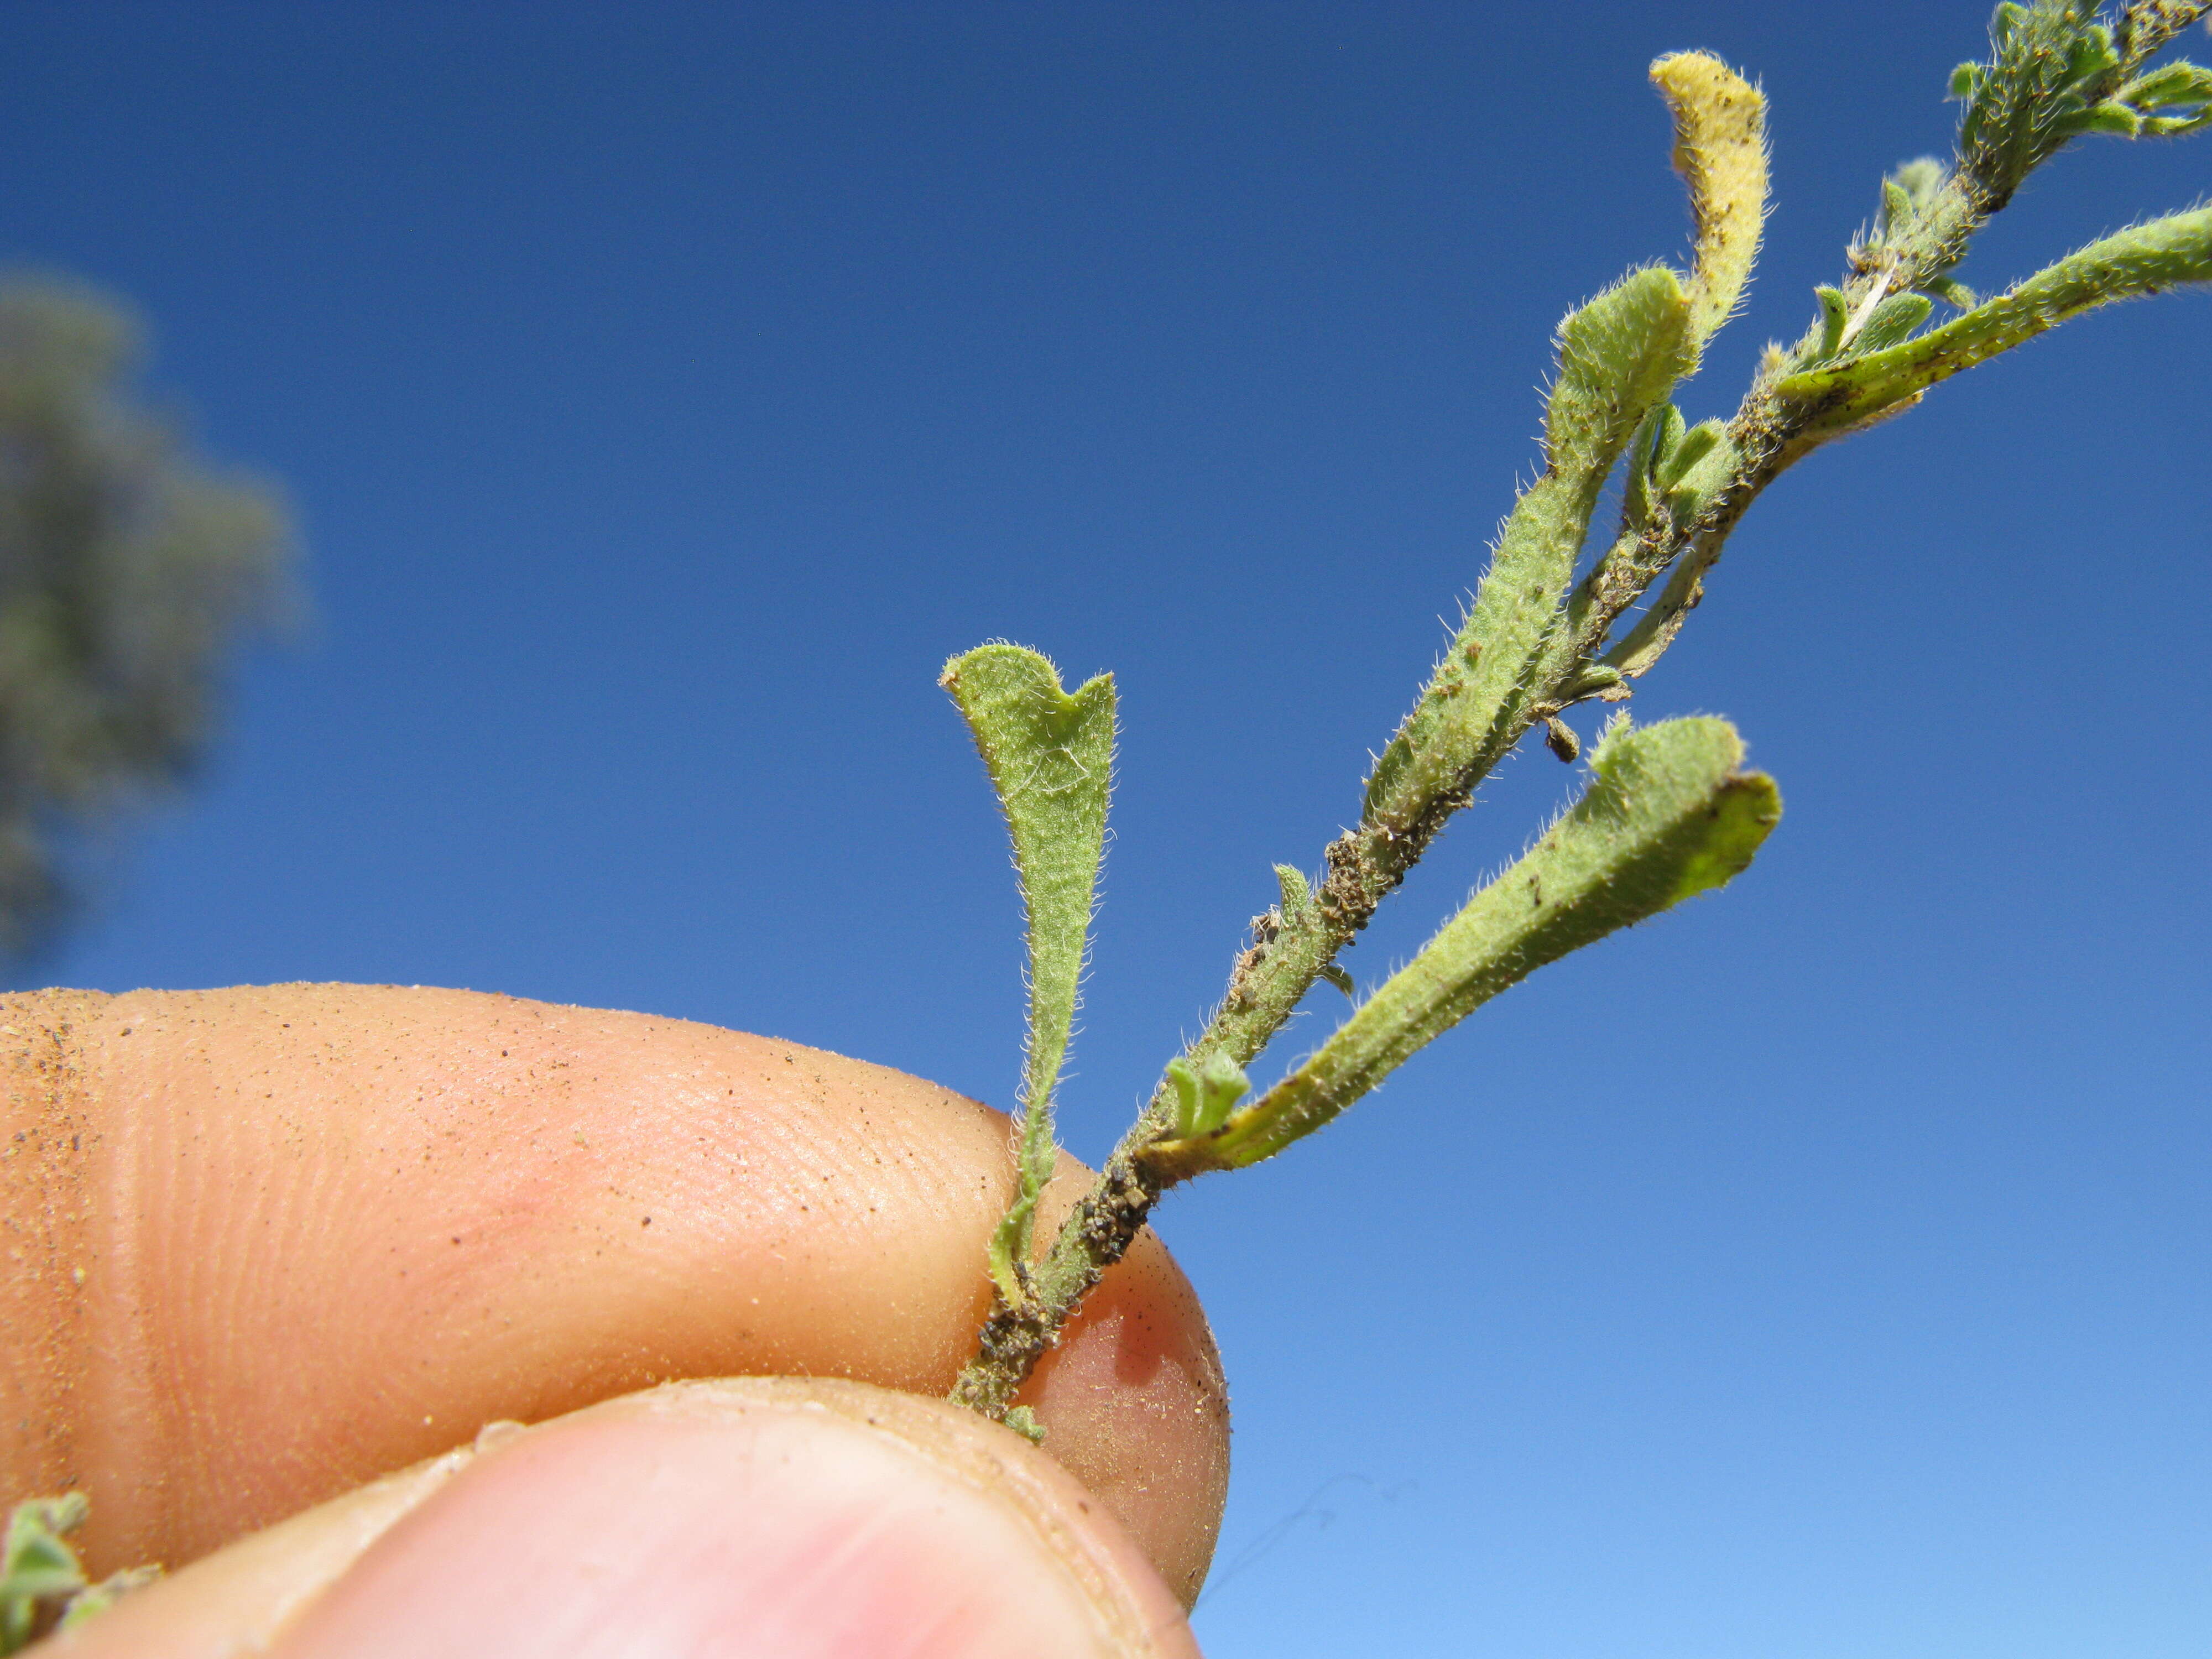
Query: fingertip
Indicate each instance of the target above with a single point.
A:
(1136, 1405)
(753, 1516)
(328, 1227)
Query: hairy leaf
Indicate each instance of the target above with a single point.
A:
(1618, 356)
(2165, 253)
(1050, 757)
(1205, 1092)
(1893, 322)
(1720, 150)
(1666, 815)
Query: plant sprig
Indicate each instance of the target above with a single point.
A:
(1667, 815)
(43, 1586)
(1668, 812)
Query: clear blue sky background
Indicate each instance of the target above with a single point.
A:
(666, 392)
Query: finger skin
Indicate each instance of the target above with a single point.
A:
(283, 1240)
(796, 1518)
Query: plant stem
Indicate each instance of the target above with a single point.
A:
(1437, 760)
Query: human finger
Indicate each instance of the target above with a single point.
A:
(280, 1241)
(802, 1520)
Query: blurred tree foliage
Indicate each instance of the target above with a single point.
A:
(126, 570)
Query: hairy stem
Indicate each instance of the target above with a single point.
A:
(1532, 647)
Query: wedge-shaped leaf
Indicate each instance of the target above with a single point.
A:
(1703, 478)
(1667, 814)
(1693, 446)
(1951, 292)
(2165, 253)
(1050, 757)
(1618, 355)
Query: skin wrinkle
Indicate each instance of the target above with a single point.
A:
(50, 1240)
(292, 1164)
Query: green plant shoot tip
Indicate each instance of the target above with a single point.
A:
(1206, 1093)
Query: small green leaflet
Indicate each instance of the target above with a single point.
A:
(1206, 1093)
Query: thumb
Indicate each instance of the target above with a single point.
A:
(803, 1519)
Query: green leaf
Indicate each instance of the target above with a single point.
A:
(1711, 469)
(2183, 88)
(1595, 679)
(1896, 209)
(2173, 126)
(1922, 179)
(1905, 194)
(2111, 118)
(1667, 815)
(1835, 317)
(1620, 356)
(37, 1565)
(1206, 1093)
(1893, 320)
(2163, 254)
(1297, 900)
(1655, 436)
(2167, 86)
(1667, 427)
(1720, 150)
(1050, 757)
(1695, 444)
(2091, 55)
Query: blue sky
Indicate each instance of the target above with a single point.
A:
(664, 393)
